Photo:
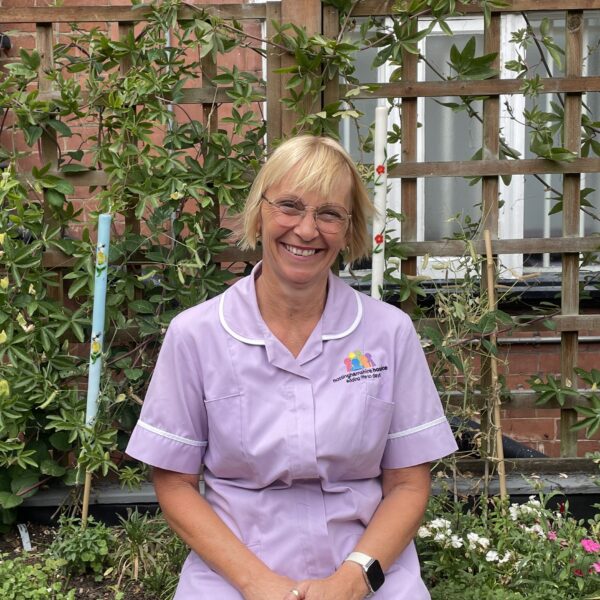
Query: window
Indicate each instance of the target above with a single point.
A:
(445, 135)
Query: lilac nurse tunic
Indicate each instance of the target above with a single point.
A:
(292, 448)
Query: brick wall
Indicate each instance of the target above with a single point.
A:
(535, 427)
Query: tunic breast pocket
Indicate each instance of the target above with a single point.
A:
(226, 455)
(375, 429)
(352, 434)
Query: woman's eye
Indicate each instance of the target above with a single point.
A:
(331, 214)
(289, 205)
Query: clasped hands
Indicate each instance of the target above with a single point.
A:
(347, 583)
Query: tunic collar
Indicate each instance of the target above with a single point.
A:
(240, 317)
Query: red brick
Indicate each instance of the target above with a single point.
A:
(552, 448)
(587, 446)
(519, 413)
(530, 429)
(588, 360)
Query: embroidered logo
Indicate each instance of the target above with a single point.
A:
(357, 361)
(360, 365)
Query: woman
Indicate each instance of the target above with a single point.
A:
(310, 406)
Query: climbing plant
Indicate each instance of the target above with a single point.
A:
(169, 175)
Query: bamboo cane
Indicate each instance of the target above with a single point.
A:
(499, 453)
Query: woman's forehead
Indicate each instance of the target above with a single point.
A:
(332, 189)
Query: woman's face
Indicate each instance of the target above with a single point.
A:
(301, 254)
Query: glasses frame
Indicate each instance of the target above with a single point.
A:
(315, 210)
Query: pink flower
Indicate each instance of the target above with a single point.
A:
(552, 536)
(380, 169)
(590, 545)
(596, 567)
(578, 572)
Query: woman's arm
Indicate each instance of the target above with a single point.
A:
(194, 520)
(393, 526)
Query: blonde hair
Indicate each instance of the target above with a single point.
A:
(315, 164)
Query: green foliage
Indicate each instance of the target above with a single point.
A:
(22, 580)
(550, 389)
(165, 171)
(591, 412)
(467, 66)
(169, 169)
(149, 552)
(83, 549)
(501, 551)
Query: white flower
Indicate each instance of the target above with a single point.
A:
(456, 542)
(473, 538)
(440, 536)
(507, 556)
(483, 542)
(440, 524)
(491, 556)
(424, 532)
(535, 528)
(514, 512)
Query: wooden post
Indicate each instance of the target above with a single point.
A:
(571, 216)
(408, 185)
(489, 223)
(331, 29)
(307, 14)
(210, 113)
(49, 141)
(274, 80)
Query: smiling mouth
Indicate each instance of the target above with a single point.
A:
(299, 251)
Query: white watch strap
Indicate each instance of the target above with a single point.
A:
(360, 558)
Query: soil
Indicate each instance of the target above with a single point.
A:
(86, 588)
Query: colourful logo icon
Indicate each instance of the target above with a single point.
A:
(357, 361)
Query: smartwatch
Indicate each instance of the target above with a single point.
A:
(372, 571)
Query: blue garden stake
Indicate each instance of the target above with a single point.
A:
(97, 340)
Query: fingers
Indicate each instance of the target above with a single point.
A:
(298, 592)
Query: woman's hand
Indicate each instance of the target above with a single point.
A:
(270, 587)
(347, 583)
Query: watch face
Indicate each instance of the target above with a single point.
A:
(375, 575)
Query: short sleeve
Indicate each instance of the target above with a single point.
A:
(171, 432)
(419, 431)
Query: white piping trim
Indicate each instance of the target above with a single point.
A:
(230, 331)
(359, 312)
(406, 432)
(171, 436)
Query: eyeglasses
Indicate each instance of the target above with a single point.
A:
(329, 218)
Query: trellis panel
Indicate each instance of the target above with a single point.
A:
(571, 219)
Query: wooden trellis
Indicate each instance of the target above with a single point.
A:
(317, 18)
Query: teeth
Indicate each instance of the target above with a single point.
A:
(299, 251)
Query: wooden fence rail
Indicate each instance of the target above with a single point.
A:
(317, 18)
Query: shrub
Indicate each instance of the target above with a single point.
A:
(20, 580)
(509, 552)
(83, 549)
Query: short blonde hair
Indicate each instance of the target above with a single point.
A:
(316, 164)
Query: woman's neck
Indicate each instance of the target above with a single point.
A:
(290, 312)
(290, 304)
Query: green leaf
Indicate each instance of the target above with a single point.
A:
(74, 168)
(24, 482)
(50, 467)
(133, 374)
(55, 198)
(8, 500)
(142, 306)
(60, 441)
(60, 127)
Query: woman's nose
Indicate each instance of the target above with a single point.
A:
(307, 227)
